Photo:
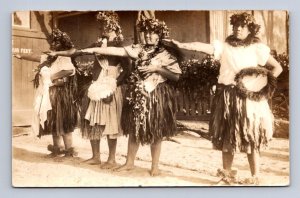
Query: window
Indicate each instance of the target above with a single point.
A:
(21, 19)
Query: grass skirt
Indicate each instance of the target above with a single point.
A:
(162, 119)
(238, 124)
(62, 118)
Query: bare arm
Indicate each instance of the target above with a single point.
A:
(168, 74)
(108, 51)
(277, 69)
(68, 53)
(160, 70)
(29, 57)
(61, 74)
(193, 46)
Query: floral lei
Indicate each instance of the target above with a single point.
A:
(137, 95)
(266, 92)
(235, 42)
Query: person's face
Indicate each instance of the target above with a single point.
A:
(151, 38)
(55, 45)
(240, 32)
(111, 35)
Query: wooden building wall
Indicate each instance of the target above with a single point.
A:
(185, 26)
(27, 41)
(189, 26)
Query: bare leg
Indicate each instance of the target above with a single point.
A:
(95, 144)
(133, 147)
(155, 153)
(57, 147)
(227, 174)
(253, 160)
(68, 141)
(57, 141)
(227, 158)
(112, 147)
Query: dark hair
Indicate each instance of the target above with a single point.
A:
(110, 22)
(63, 38)
(154, 25)
(245, 19)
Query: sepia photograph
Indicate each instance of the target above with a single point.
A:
(150, 98)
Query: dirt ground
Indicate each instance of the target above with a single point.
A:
(187, 161)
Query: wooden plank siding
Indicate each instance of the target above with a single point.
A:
(22, 76)
(29, 41)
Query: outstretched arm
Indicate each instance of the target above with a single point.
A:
(61, 74)
(108, 51)
(193, 46)
(69, 52)
(276, 67)
(29, 57)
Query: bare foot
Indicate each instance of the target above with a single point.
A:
(155, 172)
(109, 165)
(250, 181)
(223, 182)
(93, 161)
(125, 167)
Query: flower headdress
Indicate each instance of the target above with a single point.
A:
(110, 22)
(154, 25)
(245, 19)
(62, 38)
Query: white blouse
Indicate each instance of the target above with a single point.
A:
(163, 59)
(61, 63)
(234, 59)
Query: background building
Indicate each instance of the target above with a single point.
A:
(31, 31)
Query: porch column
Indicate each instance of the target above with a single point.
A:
(217, 25)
